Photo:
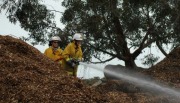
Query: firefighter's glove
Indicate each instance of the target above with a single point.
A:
(76, 61)
(71, 63)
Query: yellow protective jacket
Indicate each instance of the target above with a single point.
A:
(71, 51)
(56, 55)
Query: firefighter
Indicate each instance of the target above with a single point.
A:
(54, 52)
(73, 54)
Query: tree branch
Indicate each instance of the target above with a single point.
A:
(111, 54)
(141, 47)
(121, 39)
(112, 42)
(148, 43)
(160, 48)
(103, 61)
(55, 11)
(54, 27)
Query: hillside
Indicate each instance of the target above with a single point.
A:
(26, 75)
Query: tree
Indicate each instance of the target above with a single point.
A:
(123, 28)
(33, 16)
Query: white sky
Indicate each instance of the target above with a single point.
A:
(7, 28)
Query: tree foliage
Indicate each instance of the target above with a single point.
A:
(33, 16)
(123, 28)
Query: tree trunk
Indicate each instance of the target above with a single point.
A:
(130, 63)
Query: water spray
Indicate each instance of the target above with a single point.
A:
(139, 81)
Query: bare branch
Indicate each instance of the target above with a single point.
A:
(141, 47)
(160, 48)
(103, 61)
(104, 51)
(56, 11)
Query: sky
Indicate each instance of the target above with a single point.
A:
(7, 28)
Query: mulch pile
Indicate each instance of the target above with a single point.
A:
(122, 92)
(27, 76)
(168, 70)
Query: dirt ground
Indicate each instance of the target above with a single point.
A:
(27, 76)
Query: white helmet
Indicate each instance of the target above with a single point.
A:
(77, 36)
(55, 38)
